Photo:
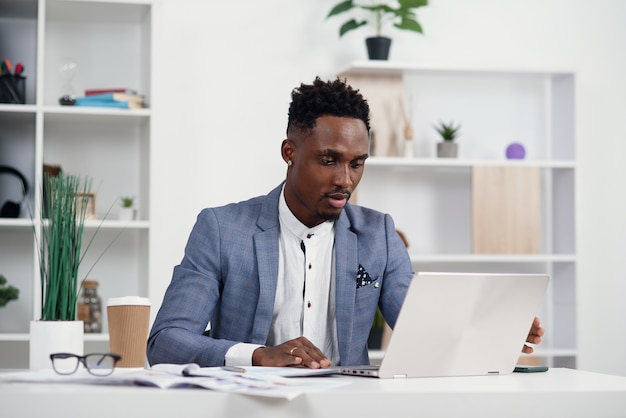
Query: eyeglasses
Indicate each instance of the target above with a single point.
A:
(97, 364)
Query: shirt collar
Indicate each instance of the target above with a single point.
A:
(292, 224)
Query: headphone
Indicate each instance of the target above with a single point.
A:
(12, 209)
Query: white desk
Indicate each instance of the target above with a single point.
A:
(557, 393)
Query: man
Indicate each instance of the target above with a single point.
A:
(292, 278)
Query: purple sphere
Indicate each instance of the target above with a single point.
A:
(515, 151)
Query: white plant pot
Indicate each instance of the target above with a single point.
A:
(127, 214)
(47, 337)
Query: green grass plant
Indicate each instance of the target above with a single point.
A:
(60, 245)
(64, 208)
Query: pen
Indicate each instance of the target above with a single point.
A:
(233, 369)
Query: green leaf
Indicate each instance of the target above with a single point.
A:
(412, 4)
(409, 24)
(379, 320)
(350, 25)
(344, 6)
(379, 8)
(7, 293)
(383, 14)
(447, 130)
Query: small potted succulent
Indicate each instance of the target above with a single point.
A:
(399, 13)
(447, 148)
(127, 211)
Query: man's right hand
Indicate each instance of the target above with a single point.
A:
(296, 352)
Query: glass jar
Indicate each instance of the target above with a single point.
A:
(90, 307)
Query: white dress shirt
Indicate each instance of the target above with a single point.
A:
(305, 296)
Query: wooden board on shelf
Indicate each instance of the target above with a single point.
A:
(506, 217)
(385, 96)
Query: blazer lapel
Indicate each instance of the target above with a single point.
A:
(346, 260)
(266, 255)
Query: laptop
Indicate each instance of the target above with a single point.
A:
(460, 324)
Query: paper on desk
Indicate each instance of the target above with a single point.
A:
(170, 376)
(253, 379)
(195, 370)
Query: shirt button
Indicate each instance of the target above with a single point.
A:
(308, 304)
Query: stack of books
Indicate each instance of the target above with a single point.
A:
(120, 98)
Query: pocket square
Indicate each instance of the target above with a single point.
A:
(363, 278)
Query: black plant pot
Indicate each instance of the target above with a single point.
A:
(378, 47)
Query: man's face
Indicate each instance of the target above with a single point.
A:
(327, 165)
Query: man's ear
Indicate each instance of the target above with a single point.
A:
(287, 150)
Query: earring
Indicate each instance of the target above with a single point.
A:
(289, 163)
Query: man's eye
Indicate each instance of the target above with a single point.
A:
(357, 164)
(327, 161)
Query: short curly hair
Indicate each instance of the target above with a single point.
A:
(334, 98)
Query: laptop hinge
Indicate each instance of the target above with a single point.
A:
(399, 376)
(492, 373)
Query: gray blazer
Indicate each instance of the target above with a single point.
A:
(228, 277)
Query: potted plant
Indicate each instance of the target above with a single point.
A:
(7, 292)
(400, 13)
(127, 211)
(60, 241)
(448, 131)
(375, 339)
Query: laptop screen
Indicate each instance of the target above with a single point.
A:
(463, 324)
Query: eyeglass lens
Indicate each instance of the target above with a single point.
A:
(97, 364)
(65, 363)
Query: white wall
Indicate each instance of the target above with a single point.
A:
(224, 72)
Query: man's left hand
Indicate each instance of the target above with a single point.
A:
(534, 336)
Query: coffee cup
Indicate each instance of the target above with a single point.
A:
(129, 319)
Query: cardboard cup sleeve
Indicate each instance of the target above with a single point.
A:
(129, 319)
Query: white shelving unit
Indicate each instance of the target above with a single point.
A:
(111, 44)
(430, 198)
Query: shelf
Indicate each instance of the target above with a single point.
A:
(496, 258)
(95, 111)
(373, 67)
(463, 163)
(102, 11)
(555, 352)
(16, 223)
(96, 337)
(115, 224)
(27, 224)
(17, 108)
(25, 337)
(17, 337)
(75, 110)
(111, 147)
(433, 200)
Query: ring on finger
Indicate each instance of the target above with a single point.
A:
(292, 350)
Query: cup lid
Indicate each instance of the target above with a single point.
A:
(128, 300)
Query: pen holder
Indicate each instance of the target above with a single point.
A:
(12, 89)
